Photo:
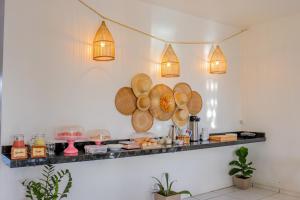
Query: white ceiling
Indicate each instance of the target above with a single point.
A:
(239, 13)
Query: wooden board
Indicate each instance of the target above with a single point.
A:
(158, 146)
(223, 138)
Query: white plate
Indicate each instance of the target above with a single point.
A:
(115, 147)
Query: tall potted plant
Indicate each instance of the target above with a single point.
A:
(165, 192)
(241, 169)
(48, 187)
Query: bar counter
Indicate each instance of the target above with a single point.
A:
(82, 156)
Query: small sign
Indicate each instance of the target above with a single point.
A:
(19, 153)
(38, 152)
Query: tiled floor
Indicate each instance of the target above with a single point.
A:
(236, 194)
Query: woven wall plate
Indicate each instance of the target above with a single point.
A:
(125, 101)
(184, 88)
(142, 121)
(181, 116)
(162, 102)
(143, 102)
(141, 84)
(181, 99)
(195, 104)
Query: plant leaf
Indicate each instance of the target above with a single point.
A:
(248, 172)
(234, 171)
(159, 184)
(167, 181)
(170, 186)
(236, 163)
(68, 186)
(184, 192)
(242, 152)
(242, 160)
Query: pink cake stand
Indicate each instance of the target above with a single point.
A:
(70, 150)
(98, 142)
(99, 135)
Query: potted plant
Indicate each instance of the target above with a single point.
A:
(165, 192)
(48, 187)
(241, 169)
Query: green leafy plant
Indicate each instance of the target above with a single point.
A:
(166, 190)
(240, 167)
(48, 187)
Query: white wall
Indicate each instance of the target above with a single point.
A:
(270, 91)
(51, 80)
(1, 45)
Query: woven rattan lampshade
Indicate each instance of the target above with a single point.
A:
(170, 66)
(103, 45)
(218, 63)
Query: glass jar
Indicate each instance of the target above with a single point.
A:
(39, 140)
(19, 141)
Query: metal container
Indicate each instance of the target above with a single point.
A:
(194, 128)
(173, 133)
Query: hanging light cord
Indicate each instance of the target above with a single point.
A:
(155, 37)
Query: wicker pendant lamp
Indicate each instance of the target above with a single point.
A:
(103, 45)
(170, 66)
(218, 63)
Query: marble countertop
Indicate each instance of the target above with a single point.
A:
(82, 156)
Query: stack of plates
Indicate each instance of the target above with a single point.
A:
(115, 147)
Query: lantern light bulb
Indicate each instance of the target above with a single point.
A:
(102, 44)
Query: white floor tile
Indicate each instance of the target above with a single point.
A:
(217, 193)
(281, 197)
(251, 194)
(237, 194)
(224, 197)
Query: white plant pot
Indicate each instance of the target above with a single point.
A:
(160, 197)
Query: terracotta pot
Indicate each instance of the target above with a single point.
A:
(160, 197)
(242, 183)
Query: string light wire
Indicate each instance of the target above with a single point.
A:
(156, 37)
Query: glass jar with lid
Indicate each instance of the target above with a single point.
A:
(19, 141)
(39, 140)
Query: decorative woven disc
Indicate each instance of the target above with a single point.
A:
(125, 101)
(143, 102)
(141, 84)
(142, 121)
(181, 99)
(181, 116)
(162, 102)
(195, 104)
(184, 88)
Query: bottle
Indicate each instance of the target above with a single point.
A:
(173, 133)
